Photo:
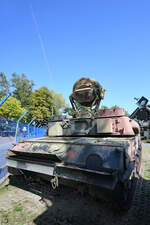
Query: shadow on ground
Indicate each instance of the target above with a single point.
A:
(65, 206)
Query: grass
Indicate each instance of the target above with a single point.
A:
(147, 141)
(146, 162)
(14, 216)
(18, 208)
(5, 189)
(13, 182)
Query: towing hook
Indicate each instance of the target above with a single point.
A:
(54, 182)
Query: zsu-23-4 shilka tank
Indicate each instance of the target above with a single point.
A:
(98, 149)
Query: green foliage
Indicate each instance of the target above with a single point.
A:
(11, 109)
(22, 88)
(42, 104)
(82, 108)
(114, 107)
(59, 100)
(4, 85)
(104, 107)
(69, 111)
(127, 113)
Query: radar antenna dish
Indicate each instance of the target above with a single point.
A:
(87, 92)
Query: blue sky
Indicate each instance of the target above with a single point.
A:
(108, 40)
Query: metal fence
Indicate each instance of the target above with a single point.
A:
(11, 131)
(27, 131)
(5, 144)
(22, 131)
(7, 127)
(3, 167)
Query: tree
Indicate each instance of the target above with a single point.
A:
(69, 111)
(42, 105)
(11, 109)
(104, 107)
(59, 100)
(114, 107)
(22, 88)
(127, 113)
(4, 85)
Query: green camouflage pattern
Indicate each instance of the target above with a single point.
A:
(86, 90)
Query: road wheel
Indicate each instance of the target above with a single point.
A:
(138, 163)
(124, 192)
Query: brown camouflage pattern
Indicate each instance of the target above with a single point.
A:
(88, 92)
(84, 83)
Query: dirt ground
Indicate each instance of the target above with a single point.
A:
(25, 204)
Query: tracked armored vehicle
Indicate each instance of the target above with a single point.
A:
(97, 149)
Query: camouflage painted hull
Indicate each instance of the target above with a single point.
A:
(101, 162)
